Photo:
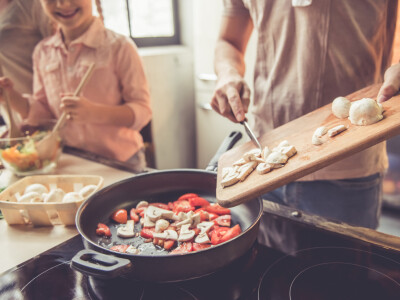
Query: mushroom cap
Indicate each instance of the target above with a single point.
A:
(365, 112)
(55, 195)
(341, 107)
(36, 187)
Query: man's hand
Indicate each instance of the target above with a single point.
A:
(391, 84)
(231, 98)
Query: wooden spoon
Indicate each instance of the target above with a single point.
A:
(13, 130)
(47, 146)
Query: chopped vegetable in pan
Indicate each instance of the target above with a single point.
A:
(190, 223)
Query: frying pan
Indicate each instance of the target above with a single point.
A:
(152, 264)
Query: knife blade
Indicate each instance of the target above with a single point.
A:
(251, 134)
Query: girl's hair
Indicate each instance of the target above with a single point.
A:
(100, 10)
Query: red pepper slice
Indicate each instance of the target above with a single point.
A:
(231, 233)
(102, 229)
(217, 209)
(120, 216)
(147, 233)
(187, 196)
(160, 205)
(224, 220)
(134, 216)
(183, 248)
(217, 234)
(182, 205)
(119, 248)
(197, 246)
(168, 244)
(198, 201)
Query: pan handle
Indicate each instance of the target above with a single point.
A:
(227, 144)
(92, 263)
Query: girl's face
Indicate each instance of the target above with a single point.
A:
(69, 14)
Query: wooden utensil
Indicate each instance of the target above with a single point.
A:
(47, 146)
(309, 157)
(13, 130)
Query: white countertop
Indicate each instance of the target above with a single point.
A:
(19, 243)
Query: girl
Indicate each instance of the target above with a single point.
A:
(113, 106)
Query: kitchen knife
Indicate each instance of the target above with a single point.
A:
(251, 134)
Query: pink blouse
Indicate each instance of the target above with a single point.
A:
(118, 78)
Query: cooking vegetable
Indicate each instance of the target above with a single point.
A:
(120, 216)
(103, 230)
(217, 209)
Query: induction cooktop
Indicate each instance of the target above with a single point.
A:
(301, 262)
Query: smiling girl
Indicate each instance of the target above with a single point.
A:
(113, 106)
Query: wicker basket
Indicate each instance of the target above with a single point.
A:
(44, 214)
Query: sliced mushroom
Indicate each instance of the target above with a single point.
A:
(161, 225)
(265, 153)
(336, 130)
(202, 238)
(229, 180)
(142, 204)
(126, 231)
(263, 168)
(154, 213)
(289, 151)
(147, 222)
(320, 131)
(185, 234)
(276, 158)
(246, 169)
(239, 162)
(316, 140)
(132, 250)
(205, 226)
(251, 155)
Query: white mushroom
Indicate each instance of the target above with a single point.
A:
(252, 154)
(205, 226)
(161, 225)
(132, 250)
(36, 187)
(30, 197)
(142, 204)
(186, 234)
(265, 153)
(316, 140)
(246, 169)
(341, 107)
(154, 213)
(336, 130)
(72, 197)
(87, 190)
(289, 151)
(55, 195)
(147, 222)
(202, 238)
(126, 231)
(282, 144)
(229, 180)
(276, 158)
(263, 168)
(320, 131)
(365, 112)
(166, 235)
(239, 162)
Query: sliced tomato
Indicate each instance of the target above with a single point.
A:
(168, 244)
(187, 196)
(217, 209)
(119, 248)
(160, 205)
(231, 233)
(170, 205)
(134, 216)
(120, 216)
(224, 220)
(204, 215)
(217, 234)
(197, 246)
(182, 205)
(102, 229)
(147, 233)
(198, 201)
(183, 248)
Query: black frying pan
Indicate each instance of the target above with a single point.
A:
(153, 265)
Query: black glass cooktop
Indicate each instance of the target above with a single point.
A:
(306, 263)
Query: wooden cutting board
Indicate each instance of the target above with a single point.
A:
(309, 157)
